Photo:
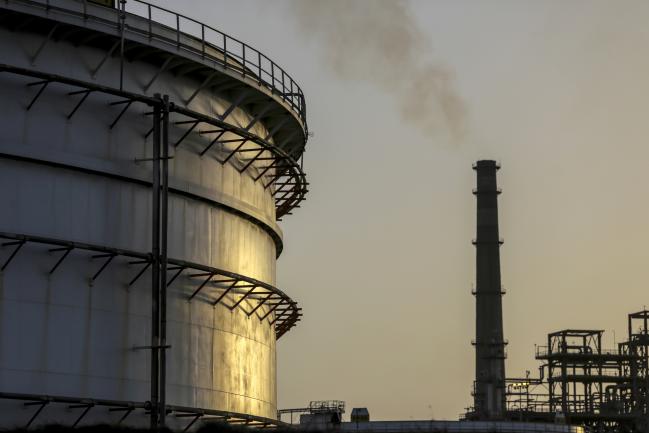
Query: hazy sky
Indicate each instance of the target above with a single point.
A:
(380, 254)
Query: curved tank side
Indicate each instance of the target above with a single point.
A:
(64, 333)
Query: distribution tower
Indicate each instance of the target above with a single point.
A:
(145, 159)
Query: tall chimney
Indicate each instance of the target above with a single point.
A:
(489, 386)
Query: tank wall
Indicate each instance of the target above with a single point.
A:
(63, 335)
(67, 205)
(46, 124)
(67, 335)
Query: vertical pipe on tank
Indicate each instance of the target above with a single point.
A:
(489, 392)
(163, 259)
(155, 271)
(122, 29)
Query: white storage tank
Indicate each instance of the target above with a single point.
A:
(84, 106)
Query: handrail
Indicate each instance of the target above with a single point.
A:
(236, 54)
(543, 351)
(124, 408)
(233, 54)
(290, 181)
(285, 310)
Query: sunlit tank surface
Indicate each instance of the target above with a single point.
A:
(75, 183)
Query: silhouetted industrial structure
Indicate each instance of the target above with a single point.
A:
(489, 387)
(500, 404)
(582, 383)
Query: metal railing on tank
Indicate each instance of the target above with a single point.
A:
(78, 408)
(281, 311)
(212, 44)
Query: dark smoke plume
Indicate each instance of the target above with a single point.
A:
(379, 41)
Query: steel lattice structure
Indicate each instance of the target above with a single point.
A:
(584, 384)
